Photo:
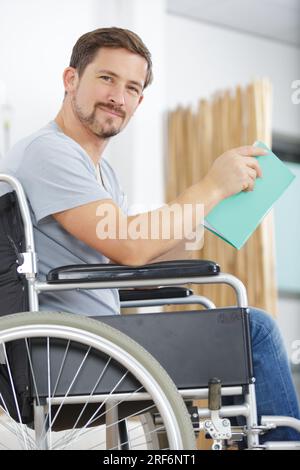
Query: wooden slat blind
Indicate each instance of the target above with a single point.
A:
(195, 139)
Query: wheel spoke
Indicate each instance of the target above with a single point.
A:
(74, 394)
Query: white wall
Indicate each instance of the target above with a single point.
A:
(202, 59)
(36, 39)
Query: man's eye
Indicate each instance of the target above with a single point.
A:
(133, 89)
(105, 78)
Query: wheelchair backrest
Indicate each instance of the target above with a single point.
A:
(13, 285)
(13, 299)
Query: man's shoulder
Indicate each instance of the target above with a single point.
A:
(42, 145)
(45, 132)
(47, 136)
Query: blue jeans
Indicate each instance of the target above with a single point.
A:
(275, 391)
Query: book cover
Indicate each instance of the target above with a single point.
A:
(234, 219)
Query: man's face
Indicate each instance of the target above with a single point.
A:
(109, 91)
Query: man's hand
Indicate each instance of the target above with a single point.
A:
(235, 170)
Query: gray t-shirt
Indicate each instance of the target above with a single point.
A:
(57, 174)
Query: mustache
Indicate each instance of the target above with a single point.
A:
(111, 107)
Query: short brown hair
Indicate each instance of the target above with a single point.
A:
(87, 46)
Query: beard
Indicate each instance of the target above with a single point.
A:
(105, 129)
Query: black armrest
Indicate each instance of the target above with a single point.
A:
(156, 293)
(113, 272)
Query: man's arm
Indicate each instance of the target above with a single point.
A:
(176, 253)
(89, 223)
(232, 172)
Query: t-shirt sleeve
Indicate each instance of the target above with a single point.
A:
(120, 195)
(57, 176)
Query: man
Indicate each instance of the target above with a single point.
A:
(68, 185)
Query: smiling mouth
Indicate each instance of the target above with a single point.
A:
(113, 113)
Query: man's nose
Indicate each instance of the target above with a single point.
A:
(117, 96)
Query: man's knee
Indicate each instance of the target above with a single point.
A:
(262, 324)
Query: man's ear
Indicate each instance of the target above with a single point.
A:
(140, 100)
(70, 79)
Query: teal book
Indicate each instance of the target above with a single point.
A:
(234, 219)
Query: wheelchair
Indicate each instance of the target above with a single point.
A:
(126, 381)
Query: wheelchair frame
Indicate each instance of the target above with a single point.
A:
(212, 417)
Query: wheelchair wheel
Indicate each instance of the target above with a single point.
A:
(71, 382)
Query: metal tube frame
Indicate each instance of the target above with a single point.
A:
(191, 299)
(187, 394)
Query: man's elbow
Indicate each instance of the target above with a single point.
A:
(135, 260)
(131, 256)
